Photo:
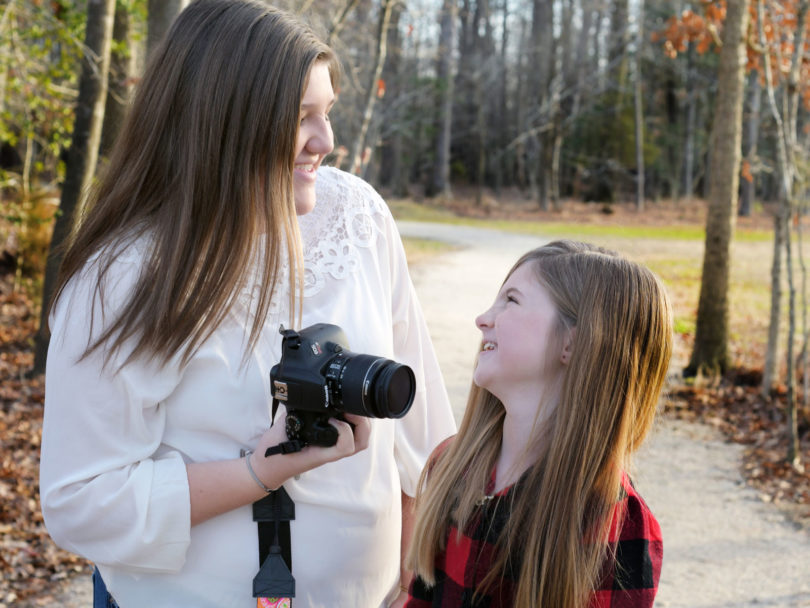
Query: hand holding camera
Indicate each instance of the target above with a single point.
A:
(330, 395)
(319, 379)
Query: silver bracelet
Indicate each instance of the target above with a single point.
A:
(253, 474)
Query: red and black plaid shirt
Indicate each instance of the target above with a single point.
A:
(629, 581)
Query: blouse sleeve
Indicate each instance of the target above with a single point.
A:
(107, 492)
(430, 419)
(631, 580)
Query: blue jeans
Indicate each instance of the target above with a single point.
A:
(101, 597)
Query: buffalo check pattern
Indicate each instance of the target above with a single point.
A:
(628, 581)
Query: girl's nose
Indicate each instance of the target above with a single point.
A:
(484, 319)
(322, 140)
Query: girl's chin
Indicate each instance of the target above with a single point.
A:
(304, 204)
(480, 380)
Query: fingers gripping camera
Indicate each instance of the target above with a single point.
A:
(318, 378)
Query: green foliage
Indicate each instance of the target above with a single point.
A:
(684, 326)
(41, 50)
(602, 148)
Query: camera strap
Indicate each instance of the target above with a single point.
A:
(288, 447)
(274, 585)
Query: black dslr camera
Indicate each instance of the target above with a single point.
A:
(318, 378)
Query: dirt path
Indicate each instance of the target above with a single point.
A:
(723, 546)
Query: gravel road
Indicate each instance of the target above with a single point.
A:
(723, 546)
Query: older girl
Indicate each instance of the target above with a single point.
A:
(165, 329)
(530, 504)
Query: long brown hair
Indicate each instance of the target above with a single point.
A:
(561, 508)
(203, 167)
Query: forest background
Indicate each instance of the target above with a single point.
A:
(662, 121)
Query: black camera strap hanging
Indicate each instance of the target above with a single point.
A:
(274, 584)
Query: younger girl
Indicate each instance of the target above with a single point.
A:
(530, 504)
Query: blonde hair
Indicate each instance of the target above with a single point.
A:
(560, 511)
(204, 166)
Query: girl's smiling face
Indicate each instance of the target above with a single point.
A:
(524, 349)
(315, 139)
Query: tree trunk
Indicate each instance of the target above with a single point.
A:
(485, 80)
(581, 60)
(392, 171)
(522, 173)
(162, 14)
(118, 89)
(769, 366)
(794, 448)
(617, 50)
(786, 174)
(539, 146)
(439, 182)
(794, 451)
(4, 52)
(747, 188)
(358, 158)
(481, 136)
(556, 142)
(691, 130)
(83, 153)
(711, 336)
(502, 123)
(788, 170)
(639, 114)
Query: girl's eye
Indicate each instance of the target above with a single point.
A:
(511, 299)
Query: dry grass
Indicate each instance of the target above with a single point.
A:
(667, 236)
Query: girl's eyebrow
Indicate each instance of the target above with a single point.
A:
(309, 106)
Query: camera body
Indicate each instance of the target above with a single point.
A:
(318, 378)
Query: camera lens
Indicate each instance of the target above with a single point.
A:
(371, 386)
(394, 387)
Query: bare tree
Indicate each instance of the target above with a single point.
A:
(120, 84)
(439, 182)
(786, 145)
(747, 189)
(83, 153)
(540, 57)
(357, 155)
(689, 143)
(392, 166)
(710, 352)
(639, 111)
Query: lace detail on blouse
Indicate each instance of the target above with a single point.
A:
(349, 215)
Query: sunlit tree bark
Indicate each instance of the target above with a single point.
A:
(710, 352)
(83, 153)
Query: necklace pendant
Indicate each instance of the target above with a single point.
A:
(484, 500)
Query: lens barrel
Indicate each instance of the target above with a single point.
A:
(370, 386)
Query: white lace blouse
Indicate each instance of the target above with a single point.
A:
(113, 479)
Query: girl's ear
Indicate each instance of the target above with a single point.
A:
(568, 343)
